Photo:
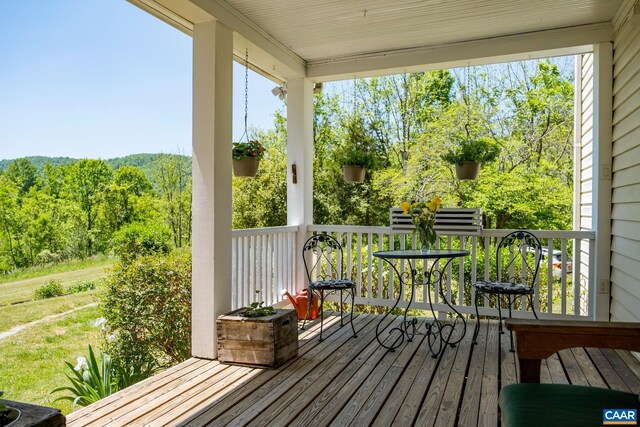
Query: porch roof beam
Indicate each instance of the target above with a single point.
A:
(540, 44)
(274, 58)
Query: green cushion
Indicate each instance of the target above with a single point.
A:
(560, 405)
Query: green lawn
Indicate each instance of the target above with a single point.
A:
(18, 314)
(33, 359)
(28, 273)
(21, 290)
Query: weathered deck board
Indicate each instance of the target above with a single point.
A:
(352, 382)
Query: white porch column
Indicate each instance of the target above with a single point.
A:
(602, 159)
(212, 134)
(300, 154)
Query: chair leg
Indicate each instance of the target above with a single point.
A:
(499, 304)
(321, 313)
(477, 328)
(310, 303)
(341, 307)
(353, 302)
(531, 305)
(511, 349)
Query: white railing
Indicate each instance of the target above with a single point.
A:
(267, 260)
(264, 260)
(564, 291)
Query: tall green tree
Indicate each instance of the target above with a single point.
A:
(24, 174)
(173, 178)
(86, 182)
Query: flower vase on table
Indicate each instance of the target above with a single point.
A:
(423, 217)
(426, 238)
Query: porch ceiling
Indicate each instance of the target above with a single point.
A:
(325, 30)
(336, 31)
(333, 39)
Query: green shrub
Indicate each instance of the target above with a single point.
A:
(49, 290)
(147, 305)
(82, 286)
(134, 240)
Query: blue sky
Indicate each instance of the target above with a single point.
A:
(102, 79)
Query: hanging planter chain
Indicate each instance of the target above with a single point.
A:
(246, 94)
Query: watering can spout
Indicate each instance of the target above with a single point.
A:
(292, 300)
(300, 302)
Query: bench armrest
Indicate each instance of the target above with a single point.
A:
(539, 339)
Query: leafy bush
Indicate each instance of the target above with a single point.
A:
(147, 305)
(46, 257)
(82, 286)
(481, 150)
(90, 380)
(137, 239)
(49, 290)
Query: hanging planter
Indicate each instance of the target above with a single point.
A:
(246, 167)
(246, 154)
(354, 173)
(468, 170)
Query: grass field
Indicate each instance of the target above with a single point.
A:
(20, 314)
(33, 359)
(22, 290)
(38, 272)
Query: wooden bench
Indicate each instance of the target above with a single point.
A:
(532, 404)
(464, 221)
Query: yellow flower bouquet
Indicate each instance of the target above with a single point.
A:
(423, 216)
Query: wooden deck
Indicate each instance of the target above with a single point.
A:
(344, 381)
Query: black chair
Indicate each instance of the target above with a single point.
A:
(322, 257)
(517, 263)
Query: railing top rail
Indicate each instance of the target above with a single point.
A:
(545, 234)
(243, 232)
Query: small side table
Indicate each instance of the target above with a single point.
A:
(438, 333)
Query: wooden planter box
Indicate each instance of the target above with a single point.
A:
(260, 341)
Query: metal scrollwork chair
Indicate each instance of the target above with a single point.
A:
(517, 263)
(322, 257)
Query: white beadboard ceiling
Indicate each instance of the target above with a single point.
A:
(319, 31)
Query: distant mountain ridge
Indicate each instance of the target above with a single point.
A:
(145, 161)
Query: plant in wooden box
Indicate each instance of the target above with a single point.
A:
(257, 336)
(468, 154)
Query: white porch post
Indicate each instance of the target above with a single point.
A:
(212, 133)
(300, 154)
(602, 159)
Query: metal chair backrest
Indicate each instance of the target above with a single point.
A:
(518, 258)
(322, 257)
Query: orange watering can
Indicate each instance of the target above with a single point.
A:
(300, 302)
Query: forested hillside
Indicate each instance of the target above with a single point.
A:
(77, 209)
(146, 162)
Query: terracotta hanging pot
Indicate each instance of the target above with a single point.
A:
(467, 170)
(246, 166)
(354, 173)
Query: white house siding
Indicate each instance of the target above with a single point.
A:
(625, 214)
(583, 211)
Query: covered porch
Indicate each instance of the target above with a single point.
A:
(344, 381)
